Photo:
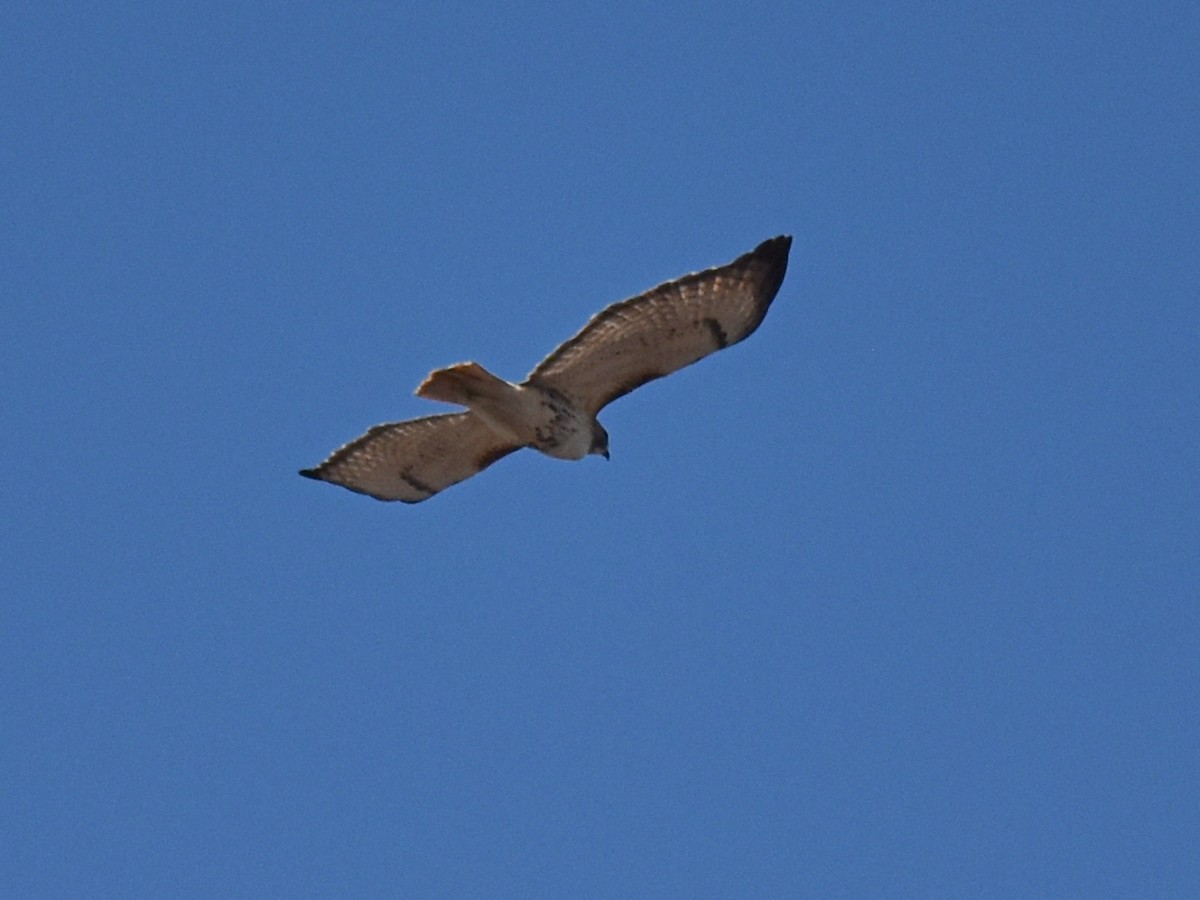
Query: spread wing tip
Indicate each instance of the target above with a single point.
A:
(767, 265)
(774, 252)
(780, 244)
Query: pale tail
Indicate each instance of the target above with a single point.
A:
(463, 384)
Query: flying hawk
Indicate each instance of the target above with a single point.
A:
(554, 409)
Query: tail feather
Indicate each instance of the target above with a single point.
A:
(462, 384)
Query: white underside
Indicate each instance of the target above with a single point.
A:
(520, 414)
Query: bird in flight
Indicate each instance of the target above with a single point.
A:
(554, 409)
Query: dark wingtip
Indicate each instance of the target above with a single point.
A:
(775, 248)
(770, 259)
(310, 473)
(774, 252)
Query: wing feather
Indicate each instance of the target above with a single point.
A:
(666, 328)
(413, 460)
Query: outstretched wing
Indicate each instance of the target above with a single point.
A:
(665, 329)
(413, 460)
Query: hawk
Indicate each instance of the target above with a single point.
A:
(554, 409)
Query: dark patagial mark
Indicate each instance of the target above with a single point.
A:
(634, 383)
(718, 333)
(631, 385)
(416, 485)
(488, 457)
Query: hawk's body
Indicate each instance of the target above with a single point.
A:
(527, 415)
(554, 409)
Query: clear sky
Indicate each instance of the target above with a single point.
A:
(897, 598)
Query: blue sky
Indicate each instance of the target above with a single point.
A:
(896, 598)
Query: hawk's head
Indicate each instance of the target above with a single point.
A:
(599, 440)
